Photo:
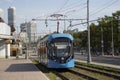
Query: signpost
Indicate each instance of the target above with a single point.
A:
(25, 40)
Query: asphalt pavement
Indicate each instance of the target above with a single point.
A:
(107, 60)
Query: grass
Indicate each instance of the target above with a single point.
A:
(46, 71)
(115, 70)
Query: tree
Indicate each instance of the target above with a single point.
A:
(106, 23)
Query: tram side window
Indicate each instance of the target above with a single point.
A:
(68, 48)
(55, 50)
(50, 50)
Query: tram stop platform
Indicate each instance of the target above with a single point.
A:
(19, 69)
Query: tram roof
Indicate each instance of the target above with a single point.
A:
(53, 36)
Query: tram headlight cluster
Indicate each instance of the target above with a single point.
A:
(62, 58)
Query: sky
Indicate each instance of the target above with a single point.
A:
(26, 10)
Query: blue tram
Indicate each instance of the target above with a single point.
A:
(56, 51)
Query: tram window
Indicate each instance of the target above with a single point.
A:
(55, 49)
(61, 39)
(68, 47)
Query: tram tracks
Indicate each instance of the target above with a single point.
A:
(102, 68)
(71, 74)
(100, 72)
(111, 73)
(88, 73)
(82, 72)
(65, 74)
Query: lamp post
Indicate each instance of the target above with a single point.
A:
(57, 16)
(112, 43)
(118, 32)
(118, 28)
(102, 42)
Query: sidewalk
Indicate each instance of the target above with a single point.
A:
(19, 69)
(102, 64)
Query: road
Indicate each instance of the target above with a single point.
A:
(100, 59)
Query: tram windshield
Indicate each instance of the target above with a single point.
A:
(61, 48)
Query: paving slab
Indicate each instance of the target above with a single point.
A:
(19, 69)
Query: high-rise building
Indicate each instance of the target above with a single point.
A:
(1, 13)
(23, 27)
(31, 31)
(12, 17)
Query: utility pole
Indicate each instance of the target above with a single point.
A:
(112, 37)
(88, 27)
(118, 18)
(102, 42)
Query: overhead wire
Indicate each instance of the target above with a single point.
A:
(65, 8)
(79, 9)
(105, 6)
(62, 6)
(74, 3)
(99, 10)
(72, 7)
(75, 7)
(68, 8)
(47, 15)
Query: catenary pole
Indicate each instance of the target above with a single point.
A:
(88, 27)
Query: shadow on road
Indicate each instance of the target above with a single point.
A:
(26, 67)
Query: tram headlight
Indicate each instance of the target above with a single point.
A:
(62, 58)
(66, 54)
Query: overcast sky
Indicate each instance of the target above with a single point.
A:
(28, 9)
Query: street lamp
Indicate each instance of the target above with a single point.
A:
(112, 44)
(117, 17)
(57, 16)
(102, 42)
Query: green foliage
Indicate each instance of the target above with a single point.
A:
(104, 26)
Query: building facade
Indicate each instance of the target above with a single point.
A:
(31, 29)
(1, 13)
(23, 27)
(4, 48)
(12, 18)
